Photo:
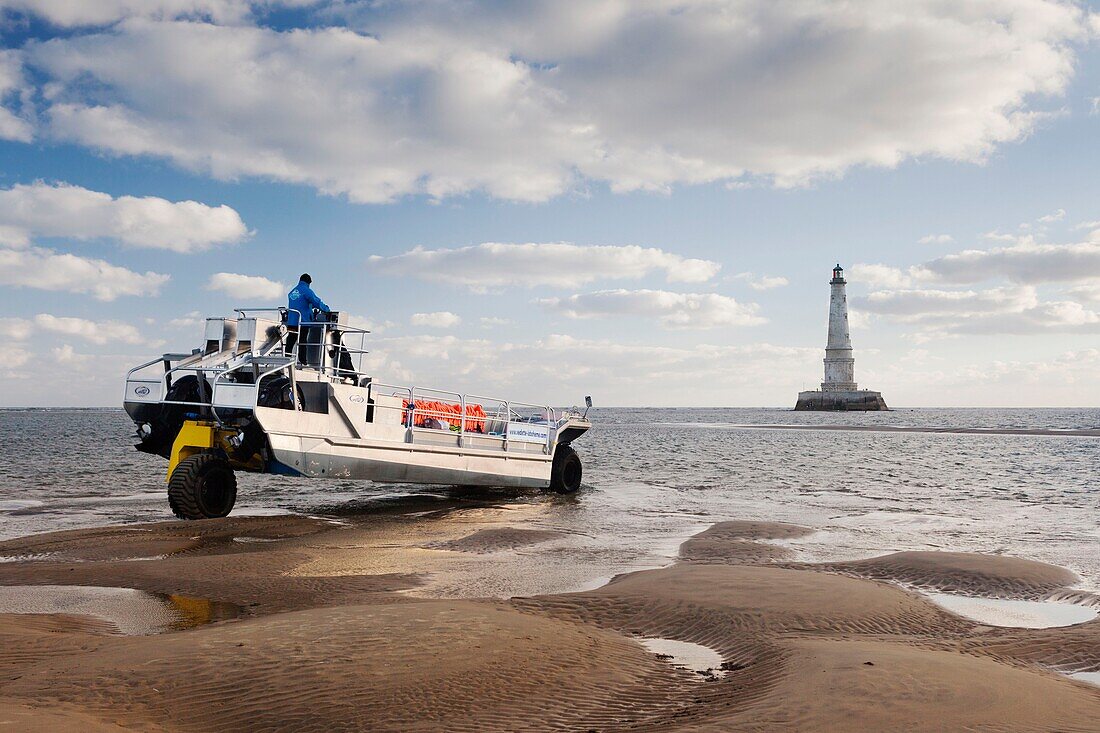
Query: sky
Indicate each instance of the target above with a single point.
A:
(640, 200)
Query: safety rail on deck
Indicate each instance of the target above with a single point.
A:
(498, 423)
(161, 381)
(306, 326)
(155, 389)
(278, 365)
(321, 343)
(267, 309)
(314, 350)
(195, 363)
(200, 372)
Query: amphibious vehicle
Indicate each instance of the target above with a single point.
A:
(249, 399)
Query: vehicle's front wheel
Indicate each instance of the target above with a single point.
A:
(565, 475)
(202, 487)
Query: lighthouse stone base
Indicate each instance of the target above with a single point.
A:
(841, 400)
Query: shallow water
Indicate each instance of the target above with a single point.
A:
(655, 476)
(1093, 678)
(684, 654)
(132, 612)
(1015, 613)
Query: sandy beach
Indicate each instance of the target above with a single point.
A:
(296, 623)
(598, 366)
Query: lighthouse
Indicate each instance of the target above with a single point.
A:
(839, 390)
(840, 366)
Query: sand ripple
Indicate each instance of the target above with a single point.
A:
(805, 647)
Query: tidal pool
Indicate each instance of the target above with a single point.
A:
(1017, 614)
(684, 654)
(132, 612)
(1093, 678)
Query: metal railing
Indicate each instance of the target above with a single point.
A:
(200, 373)
(497, 422)
(325, 355)
(316, 351)
(331, 355)
(281, 363)
(145, 382)
(266, 309)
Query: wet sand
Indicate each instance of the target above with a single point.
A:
(406, 622)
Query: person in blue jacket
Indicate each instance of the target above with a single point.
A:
(301, 302)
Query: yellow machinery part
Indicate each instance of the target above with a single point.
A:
(195, 437)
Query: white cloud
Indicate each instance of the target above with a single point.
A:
(62, 376)
(368, 324)
(1087, 293)
(48, 270)
(764, 282)
(859, 320)
(882, 276)
(768, 283)
(999, 236)
(444, 98)
(494, 321)
(1026, 263)
(66, 354)
(1007, 310)
(1045, 318)
(1054, 216)
(673, 310)
(936, 239)
(194, 319)
(1060, 379)
(97, 332)
(15, 329)
(617, 373)
(16, 357)
(246, 286)
(559, 264)
(917, 304)
(438, 319)
(915, 295)
(14, 95)
(76, 13)
(62, 210)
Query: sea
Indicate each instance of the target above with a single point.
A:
(976, 480)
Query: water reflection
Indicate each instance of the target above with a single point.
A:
(128, 611)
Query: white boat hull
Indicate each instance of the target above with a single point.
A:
(417, 464)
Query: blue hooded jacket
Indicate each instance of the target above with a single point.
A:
(303, 300)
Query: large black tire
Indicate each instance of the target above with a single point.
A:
(169, 419)
(202, 487)
(276, 391)
(565, 474)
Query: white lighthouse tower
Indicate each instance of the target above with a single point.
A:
(840, 366)
(839, 391)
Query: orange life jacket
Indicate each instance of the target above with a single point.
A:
(449, 413)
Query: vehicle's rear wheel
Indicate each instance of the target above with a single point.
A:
(169, 419)
(565, 475)
(202, 487)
